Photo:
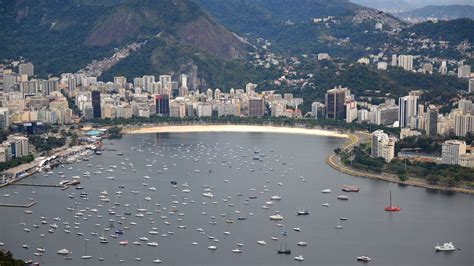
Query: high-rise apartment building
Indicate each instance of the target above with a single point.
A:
(451, 150)
(162, 105)
(256, 106)
(406, 61)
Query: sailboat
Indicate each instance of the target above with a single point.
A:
(86, 257)
(285, 251)
(392, 208)
(338, 226)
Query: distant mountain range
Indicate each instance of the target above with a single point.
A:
(448, 12)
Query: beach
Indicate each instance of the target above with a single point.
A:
(237, 128)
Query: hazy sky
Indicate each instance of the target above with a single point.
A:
(408, 4)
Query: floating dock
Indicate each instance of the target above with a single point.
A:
(18, 205)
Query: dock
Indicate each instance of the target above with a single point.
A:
(36, 185)
(18, 205)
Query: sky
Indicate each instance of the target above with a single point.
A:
(409, 4)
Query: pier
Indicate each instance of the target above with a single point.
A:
(36, 185)
(18, 205)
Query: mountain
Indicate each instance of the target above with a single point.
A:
(347, 29)
(454, 31)
(448, 12)
(407, 5)
(65, 35)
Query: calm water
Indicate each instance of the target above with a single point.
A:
(297, 162)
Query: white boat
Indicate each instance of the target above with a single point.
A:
(364, 258)
(299, 258)
(63, 251)
(261, 242)
(276, 217)
(208, 195)
(325, 204)
(157, 261)
(326, 190)
(297, 229)
(123, 242)
(152, 244)
(445, 247)
(338, 226)
(212, 247)
(302, 244)
(86, 257)
(276, 197)
(236, 250)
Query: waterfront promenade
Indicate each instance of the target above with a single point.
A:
(355, 139)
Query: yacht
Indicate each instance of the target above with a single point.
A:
(152, 244)
(157, 261)
(326, 190)
(302, 212)
(342, 197)
(299, 258)
(212, 247)
(364, 258)
(63, 252)
(347, 188)
(302, 244)
(208, 195)
(276, 217)
(123, 242)
(237, 250)
(445, 247)
(261, 242)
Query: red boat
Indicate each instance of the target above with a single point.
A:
(350, 189)
(392, 208)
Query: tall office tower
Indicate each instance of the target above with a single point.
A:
(335, 100)
(406, 61)
(96, 105)
(407, 108)
(26, 69)
(451, 150)
(256, 106)
(432, 121)
(148, 83)
(162, 105)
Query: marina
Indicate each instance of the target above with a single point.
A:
(204, 194)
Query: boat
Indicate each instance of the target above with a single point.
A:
(392, 208)
(364, 258)
(276, 197)
(152, 244)
(325, 204)
(302, 212)
(63, 252)
(339, 225)
(261, 242)
(326, 190)
(302, 244)
(157, 261)
(347, 188)
(123, 242)
(212, 247)
(237, 250)
(85, 256)
(276, 217)
(299, 258)
(342, 197)
(285, 250)
(445, 247)
(297, 229)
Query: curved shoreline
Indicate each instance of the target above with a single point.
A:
(237, 129)
(331, 160)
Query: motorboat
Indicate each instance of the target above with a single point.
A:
(347, 188)
(261, 242)
(342, 197)
(326, 190)
(212, 247)
(63, 252)
(302, 244)
(445, 247)
(276, 217)
(299, 258)
(364, 258)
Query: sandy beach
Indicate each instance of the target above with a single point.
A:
(237, 128)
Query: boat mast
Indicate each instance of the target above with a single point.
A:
(390, 198)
